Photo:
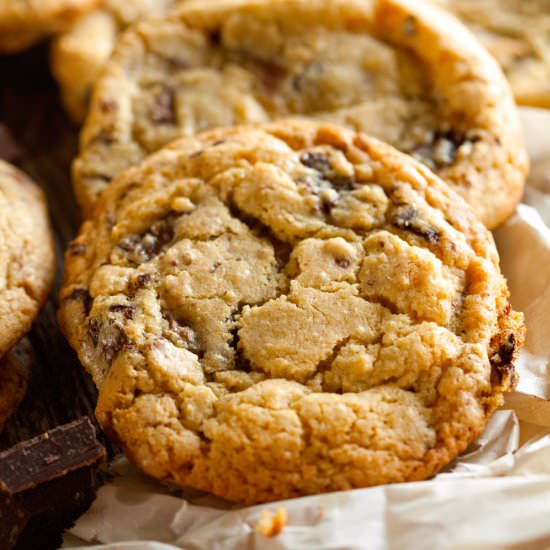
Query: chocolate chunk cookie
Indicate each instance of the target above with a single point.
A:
(78, 55)
(284, 310)
(517, 33)
(27, 265)
(402, 71)
(14, 378)
(24, 22)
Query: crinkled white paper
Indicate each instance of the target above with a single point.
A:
(495, 496)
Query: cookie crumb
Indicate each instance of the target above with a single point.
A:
(272, 524)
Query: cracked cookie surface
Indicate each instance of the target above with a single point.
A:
(27, 260)
(517, 33)
(284, 310)
(79, 54)
(400, 70)
(24, 22)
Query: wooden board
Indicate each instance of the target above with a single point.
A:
(59, 389)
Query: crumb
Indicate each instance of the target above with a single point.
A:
(271, 524)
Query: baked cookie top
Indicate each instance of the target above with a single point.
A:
(27, 262)
(400, 70)
(14, 379)
(517, 33)
(289, 309)
(78, 55)
(23, 22)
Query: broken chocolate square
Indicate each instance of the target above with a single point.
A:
(46, 483)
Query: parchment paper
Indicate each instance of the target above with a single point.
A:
(496, 496)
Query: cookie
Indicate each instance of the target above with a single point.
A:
(78, 55)
(27, 259)
(14, 379)
(24, 22)
(517, 33)
(285, 310)
(402, 71)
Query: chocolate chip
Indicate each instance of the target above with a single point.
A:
(127, 311)
(317, 161)
(108, 106)
(142, 248)
(441, 150)
(218, 142)
(344, 263)
(406, 217)
(105, 137)
(143, 280)
(82, 295)
(93, 331)
(114, 344)
(215, 267)
(321, 163)
(76, 248)
(182, 334)
(163, 110)
(502, 361)
(342, 183)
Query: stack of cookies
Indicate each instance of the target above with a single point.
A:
(285, 283)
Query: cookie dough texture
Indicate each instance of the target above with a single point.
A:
(400, 70)
(517, 33)
(14, 379)
(24, 22)
(284, 310)
(27, 264)
(79, 54)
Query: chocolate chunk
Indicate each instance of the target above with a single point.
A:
(406, 217)
(317, 161)
(441, 150)
(46, 483)
(105, 137)
(108, 335)
(108, 106)
(49, 456)
(113, 344)
(143, 280)
(163, 110)
(76, 248)
(127, 311)
(82, 295)
(142, 248)
(344, 263)
(93, 331)
(502, 361)
(321, 163)
(182, 335)
(215, 267)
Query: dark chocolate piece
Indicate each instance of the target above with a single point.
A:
(502, 361)
(406, 217)
(46, 483)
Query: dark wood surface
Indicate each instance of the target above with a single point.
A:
(59, 389)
